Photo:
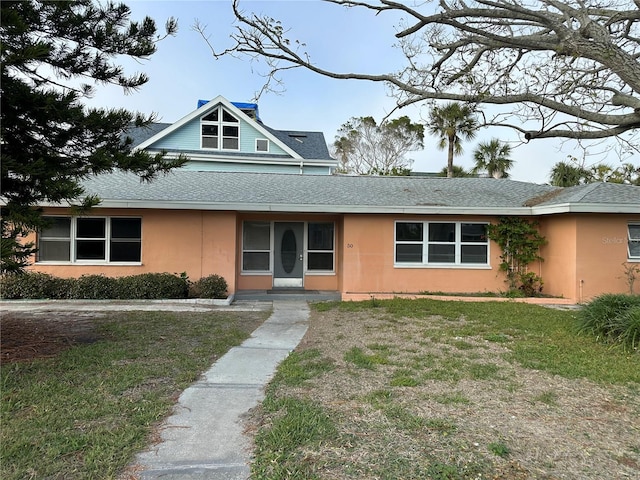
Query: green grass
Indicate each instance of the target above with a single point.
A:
(358, 357)
(539, 338)
(87, 411)
(299, 423)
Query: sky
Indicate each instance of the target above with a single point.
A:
(183, 71)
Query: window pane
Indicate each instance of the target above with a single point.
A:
(227, 117)
(255, 261)
(409, 253)
(634, 249)
(125, 252)
(125, 228)
(320, 261)
(90, 227)
(90, 249)
(442, 232)
(212, 117)
(474, 232)
(230, 143)
(229, 131)
(320, 236)
(442, 253)
(58, 227)
(407, 232)
(211, 130)
(210, 142)
(634, 232)
(474, 254)
(256, 236)
(52, 250)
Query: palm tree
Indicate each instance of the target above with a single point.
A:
(564, 174)
(452, 123)
(493, 157)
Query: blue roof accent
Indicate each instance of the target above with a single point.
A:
(240, 105)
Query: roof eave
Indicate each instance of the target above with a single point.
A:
(305, 208)
(586, 208)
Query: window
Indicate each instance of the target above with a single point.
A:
(634, 241)
(441, 243)
(54, 241)
(320, 241)
(256, 246)
(262, 145)
(90, 239)
(220, 130)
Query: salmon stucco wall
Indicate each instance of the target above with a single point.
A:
(558, 269)
(368, 262)
(601, 252)
(199, 243)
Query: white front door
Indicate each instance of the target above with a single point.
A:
(288, 254)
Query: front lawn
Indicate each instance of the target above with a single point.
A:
(81, 395)
(424, 389)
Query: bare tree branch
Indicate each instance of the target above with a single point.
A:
(541, 59)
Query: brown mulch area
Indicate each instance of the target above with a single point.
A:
(29, 336)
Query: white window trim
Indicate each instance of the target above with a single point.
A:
(221, 124)
(425, 247)
(270, 251)
(307, 251)
(630, 240)
(264, 140)
(73, 238)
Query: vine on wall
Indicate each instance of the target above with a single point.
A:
(520, 242)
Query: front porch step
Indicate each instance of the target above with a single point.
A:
(286, 294)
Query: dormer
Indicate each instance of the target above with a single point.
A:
(229, 136)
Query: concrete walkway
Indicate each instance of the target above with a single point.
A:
(204, 439)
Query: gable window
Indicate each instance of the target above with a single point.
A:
(320, 250)
(633, 241)
(441, 243)
(90, 239)
(220, 130)
(262, 145)
(256, 246)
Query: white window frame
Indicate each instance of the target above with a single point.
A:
(310, 251)
(424, 263)
(220, 123)
(634, 240)
(262, 140)
(269, 271)
(73, 239)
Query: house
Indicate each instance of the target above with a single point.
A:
(259, 207)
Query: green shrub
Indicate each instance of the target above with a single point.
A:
(152, 286)
(213, 286)
(94, 287)
(34, 285)
(627, 328)
(612, 318)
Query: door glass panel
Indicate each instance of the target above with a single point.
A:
(288, 250)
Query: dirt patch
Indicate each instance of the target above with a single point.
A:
(29, 336)
(462, 402)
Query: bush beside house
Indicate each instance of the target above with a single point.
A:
(613, 318)
(35, 285)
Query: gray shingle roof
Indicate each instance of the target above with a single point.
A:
(328, 193)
